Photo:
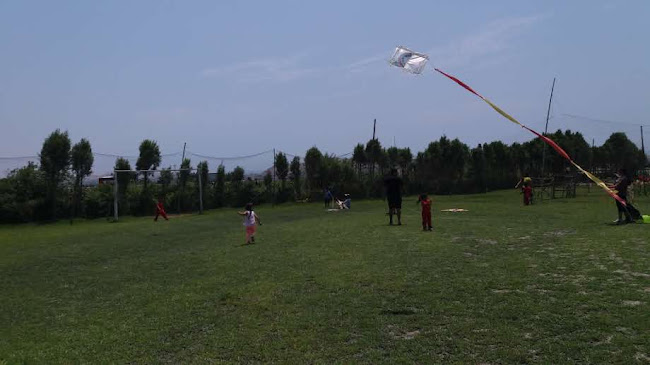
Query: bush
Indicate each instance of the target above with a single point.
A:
(98, 201)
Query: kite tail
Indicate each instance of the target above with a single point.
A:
(544, 138)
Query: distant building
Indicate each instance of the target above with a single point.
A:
(106, 180)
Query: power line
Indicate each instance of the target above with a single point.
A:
(230, 158)
(17, 157)
(574, 116)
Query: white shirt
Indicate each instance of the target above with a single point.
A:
(249, 219)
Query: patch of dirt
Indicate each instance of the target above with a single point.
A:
(501, 291)
(486, 241)
(636, 274)
(641, 357)
(632, 303)
(606, 341)
(399, 311)
(398, 334)
(560, 233)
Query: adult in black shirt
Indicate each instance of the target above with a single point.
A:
(393, 185)
(621, 185)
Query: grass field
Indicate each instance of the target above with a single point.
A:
(502, 283)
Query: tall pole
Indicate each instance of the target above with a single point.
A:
(548, 113)
(200, 190)
(645, 158)
(115, 195)
(178, 198)
(374, 129)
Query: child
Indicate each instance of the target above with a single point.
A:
(250, 218)
(425, 202)
(160, 210)
(527, 190)
(328, 198)
(345, 204)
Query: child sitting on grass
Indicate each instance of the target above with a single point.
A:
(250, 219)
(346, 203)
(425, 202)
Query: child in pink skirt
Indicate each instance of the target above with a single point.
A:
(250, 219)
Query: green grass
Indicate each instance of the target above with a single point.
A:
(502, 283)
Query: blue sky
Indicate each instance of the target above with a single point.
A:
(235, 78)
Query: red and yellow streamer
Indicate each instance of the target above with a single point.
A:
(547, 140)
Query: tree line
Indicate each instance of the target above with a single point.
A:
(54, 188)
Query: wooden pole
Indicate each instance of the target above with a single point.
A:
(200, 190)
(548, 113)
(374, 129)
(115, 195)
(643, 146)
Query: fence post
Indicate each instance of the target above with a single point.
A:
(115, 195)
(200, 191)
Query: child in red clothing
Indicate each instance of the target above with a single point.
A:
(425, 202)
(527, 190)
(160, 210)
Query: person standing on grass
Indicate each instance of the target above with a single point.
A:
(393, 185)
(527, 190)
(623, 181)
(425, 202)
(328, 198)
(250, 220)
(160, 210)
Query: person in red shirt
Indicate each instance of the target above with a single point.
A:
(527, 190)
(160, 210)
(425, 202)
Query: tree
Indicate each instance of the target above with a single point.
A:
(22, 194)
(268, 181)
(203, 170)
(186, 165)
(282, 167)
(123, 178)
(220, 187)
(55, 159)
(373, 154)
(392, 153)
(405, 158)
(295, 174)
(165, 179)
(149, 158)
(477, 169)
(82, 163)
(359, 157)
(313, 162)
(237, 175)
(619, 152)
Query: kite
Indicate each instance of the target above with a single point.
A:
(402, 58)
(408, 60)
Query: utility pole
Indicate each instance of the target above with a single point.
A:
(643, 146)
(548, 113)
(374, 129)
(591, 162)
(273, 180)
(178, 199)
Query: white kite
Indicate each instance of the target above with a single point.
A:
(408, 60)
